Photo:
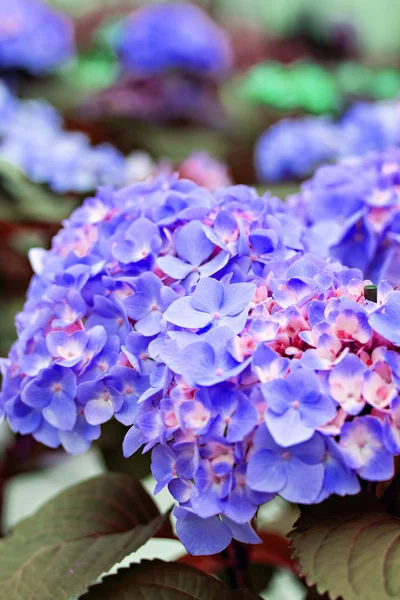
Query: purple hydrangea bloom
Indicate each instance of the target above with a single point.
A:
(292, 149)
(295, 472)
(200, 321)
(174, 36)
(212, 302)
(33, 36)
(352, 210)
(364, 449)
(369, 127)
(296, 407)
(33, 139)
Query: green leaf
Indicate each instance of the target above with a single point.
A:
(350, 548)
(29, 200)
(76, 537)
(157, 580)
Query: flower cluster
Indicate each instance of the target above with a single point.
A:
(294, 148)
(352, 210)
(249, 367)
(33, 36)
(32, 138)
(174, 36)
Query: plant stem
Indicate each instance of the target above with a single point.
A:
(236, 559)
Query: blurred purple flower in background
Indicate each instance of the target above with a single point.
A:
(33, 139)
(174, 36)
(34, 37)
(292, 149)
(173, 58)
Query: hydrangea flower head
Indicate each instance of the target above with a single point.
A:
(200, 321)
(174, 36)
(352, 210)
(292, 149)
(33, 139)
(33, 36)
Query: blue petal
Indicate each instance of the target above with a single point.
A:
(98, 411)
(208, 296)
(201, 537)
(237, 297)
(182, 313)
(266, 472)
(174, 267)
(243, 532)
(133, 440)
(386, 320)
(192, 244)
(304, 482)
(61, 413)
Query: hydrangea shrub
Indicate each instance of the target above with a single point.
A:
(248, 367)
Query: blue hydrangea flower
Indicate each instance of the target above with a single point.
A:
(292, 149)
(212, 303)
(369, 127)
(352, 211)
(174, 36)
(237, 358)
(295, 472)
(33, 36)
(296, 407)
(364, 449)
(32, 138)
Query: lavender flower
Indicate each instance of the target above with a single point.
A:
(33, 36)
(201, 322)
(174, 36)
(352, 210)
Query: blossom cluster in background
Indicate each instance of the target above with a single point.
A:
(352, 211)
(33, 36)
(173, 58)
(248, 366)
(294, 148)
(160, 38)
(33, 139)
